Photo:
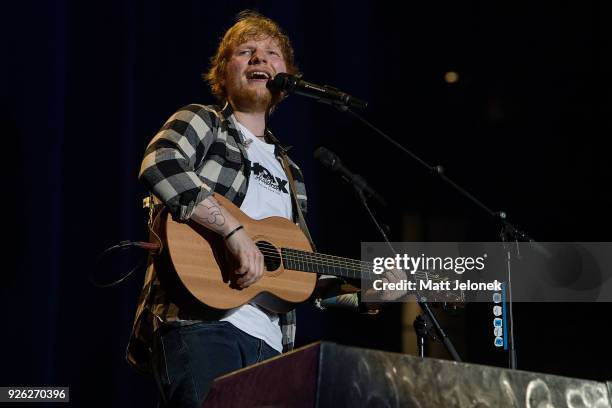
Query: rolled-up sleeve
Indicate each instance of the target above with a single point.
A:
(169, 166)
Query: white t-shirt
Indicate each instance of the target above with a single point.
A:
(268, 195)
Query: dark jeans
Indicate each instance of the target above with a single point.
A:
(186, 359)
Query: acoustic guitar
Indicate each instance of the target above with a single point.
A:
(194, 262)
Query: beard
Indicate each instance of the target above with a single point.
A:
(251, 99)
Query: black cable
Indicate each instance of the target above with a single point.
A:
(121, 246)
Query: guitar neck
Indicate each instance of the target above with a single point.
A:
(326, 264)
(305, 261)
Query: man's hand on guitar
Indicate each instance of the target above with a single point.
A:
(394, 276)
(248, 258)
(391, 276)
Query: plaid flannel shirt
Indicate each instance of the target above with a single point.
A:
(197, 152)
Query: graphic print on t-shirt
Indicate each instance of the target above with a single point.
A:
(267, 180)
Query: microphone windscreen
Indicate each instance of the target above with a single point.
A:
(281, 82)
(326, 157)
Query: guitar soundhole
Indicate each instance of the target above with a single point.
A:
(272, 258)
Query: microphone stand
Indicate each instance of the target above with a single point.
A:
(420, 300)
(508, 231)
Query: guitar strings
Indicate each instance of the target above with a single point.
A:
(359, 268)
(309, 257)
(322, 259)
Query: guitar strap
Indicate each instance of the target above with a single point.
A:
(296, 204)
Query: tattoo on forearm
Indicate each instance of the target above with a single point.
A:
(215, 217)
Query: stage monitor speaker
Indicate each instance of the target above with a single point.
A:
(331, 375)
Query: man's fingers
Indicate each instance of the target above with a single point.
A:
(392, 276)
(249, 258)
(254, 270)
(245, 280)
(395, 275)
(256, 262)
(242, 269)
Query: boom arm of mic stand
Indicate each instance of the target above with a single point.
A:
(500, 215)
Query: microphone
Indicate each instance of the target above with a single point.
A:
(331, 161)
(324, 94)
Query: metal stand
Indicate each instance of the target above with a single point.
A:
(509, 231)
(420, 299)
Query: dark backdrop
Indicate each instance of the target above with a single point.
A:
(86, 85)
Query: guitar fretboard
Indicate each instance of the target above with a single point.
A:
(326, 264)
(337, 266)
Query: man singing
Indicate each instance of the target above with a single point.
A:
(226, 150)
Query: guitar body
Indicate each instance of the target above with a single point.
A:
(195, 264)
